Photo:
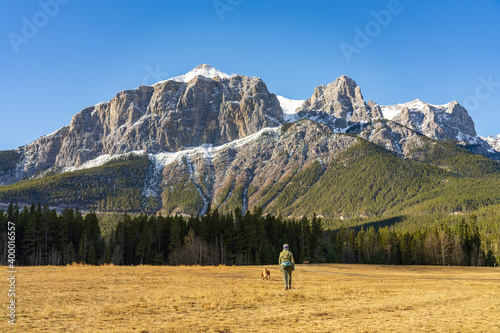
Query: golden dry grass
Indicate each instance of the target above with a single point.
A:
(325, 298)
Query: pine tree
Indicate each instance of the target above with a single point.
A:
(317, 244)
(406, 255)
(359, 246)
(144, 243)
(82, 251)
(175, 234)
(304, 239)
(71, 255)
(417, 248)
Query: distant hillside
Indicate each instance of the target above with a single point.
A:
(116, 186)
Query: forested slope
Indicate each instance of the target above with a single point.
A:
(116, 186)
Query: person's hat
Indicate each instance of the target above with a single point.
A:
(285, 246)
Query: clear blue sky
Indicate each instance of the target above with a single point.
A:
(54, 61)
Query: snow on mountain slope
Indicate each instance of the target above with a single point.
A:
(289, 106)
(167, 158)
(200, 70)
(493, 141)
(57, 133)
(391, 111)
(101, 160)
(447, 121)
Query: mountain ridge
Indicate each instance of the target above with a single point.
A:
(215, 135)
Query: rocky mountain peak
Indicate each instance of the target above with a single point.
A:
(494, 142)
(345, 82)
(447, 121)
(341, 99)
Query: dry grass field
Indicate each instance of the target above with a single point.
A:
(324, 298)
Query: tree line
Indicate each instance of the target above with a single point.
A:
(460, 245)
(46, 237)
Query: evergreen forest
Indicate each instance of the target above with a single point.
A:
(45, 237)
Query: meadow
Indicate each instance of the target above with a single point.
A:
(324, 298)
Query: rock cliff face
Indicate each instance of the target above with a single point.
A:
(38, 156)
(450, 121)
(202, 106)
(170, 116)
(396, 138)
(342, 100)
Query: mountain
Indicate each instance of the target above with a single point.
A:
(181, 112)
(450, 121)
(341, 106)
(342, 100)
(443, 122)
(493, 141)
(209, 138)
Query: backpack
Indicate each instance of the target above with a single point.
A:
(287, 259)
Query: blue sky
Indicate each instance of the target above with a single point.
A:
(59, 56)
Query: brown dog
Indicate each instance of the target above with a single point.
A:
(265, 274)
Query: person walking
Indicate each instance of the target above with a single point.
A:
(287, 265)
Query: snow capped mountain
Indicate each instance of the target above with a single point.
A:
(289, 107)
(208, 108)
(447, 121)
(391, 111)
(493, 141)
(200, 70)
(204, 106)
